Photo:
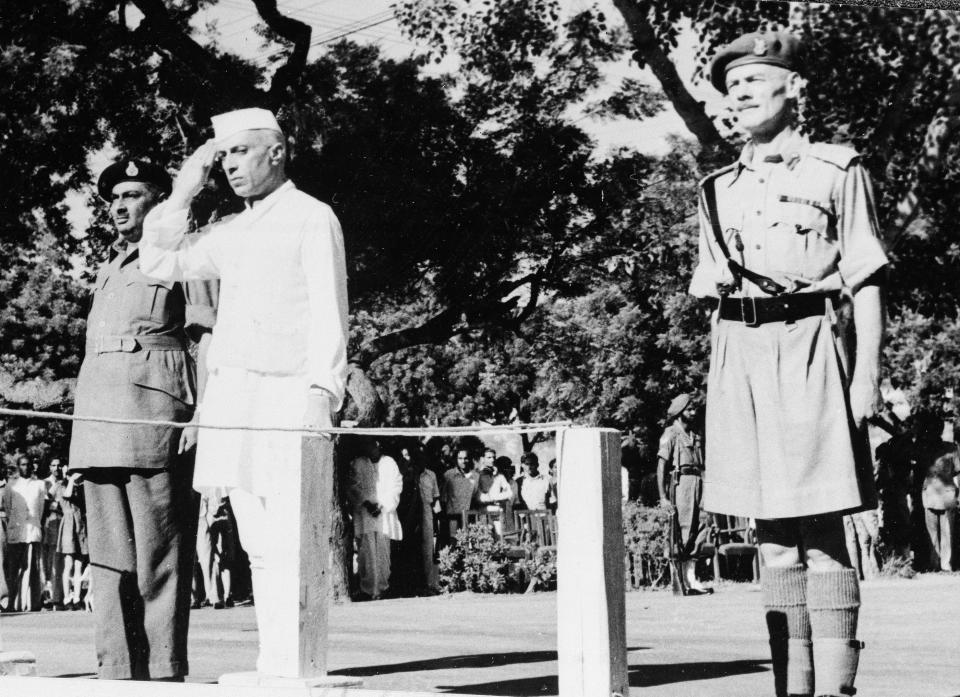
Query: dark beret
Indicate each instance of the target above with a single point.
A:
(772, 48)
(132, 171)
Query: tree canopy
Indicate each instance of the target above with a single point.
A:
(501, 265)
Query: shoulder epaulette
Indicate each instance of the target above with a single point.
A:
(839, 155)
(717, 173)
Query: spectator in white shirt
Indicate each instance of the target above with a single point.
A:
(535, 486)
(24, 498)
(494, 491)
(374, 490)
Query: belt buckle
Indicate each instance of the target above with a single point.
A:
(750, 302)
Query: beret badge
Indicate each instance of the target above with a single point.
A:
(759, 46)
(132, 170)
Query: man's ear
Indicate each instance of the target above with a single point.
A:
(795, 84)
(277, 153)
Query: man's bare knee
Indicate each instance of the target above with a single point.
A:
(824, 542)
(779, 542)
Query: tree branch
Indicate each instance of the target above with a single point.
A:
(457, 319)
(296, 32)
(213, 86)
(649, 52)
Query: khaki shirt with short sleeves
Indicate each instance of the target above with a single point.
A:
(805, 218)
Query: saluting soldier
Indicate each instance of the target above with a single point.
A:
(788, 232)
(680, 481)
(141, 521)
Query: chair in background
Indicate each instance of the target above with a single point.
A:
(734, 542)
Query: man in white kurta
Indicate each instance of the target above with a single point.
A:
(374, 491)
(278, 355)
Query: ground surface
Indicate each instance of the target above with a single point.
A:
(506, 645)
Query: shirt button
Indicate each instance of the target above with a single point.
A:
(762, 180)
(103, 324)
(758, 246)
(759, 212)
(110, 296)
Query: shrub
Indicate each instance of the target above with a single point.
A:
(479, 562)
(541, 570)
(645, 542)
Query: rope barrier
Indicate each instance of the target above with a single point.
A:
(449, 431)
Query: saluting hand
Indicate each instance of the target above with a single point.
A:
(193, 174)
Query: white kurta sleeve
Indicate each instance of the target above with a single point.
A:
(168, 253)
(325, 268)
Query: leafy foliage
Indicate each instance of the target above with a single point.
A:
(645, 533)
(41, 341)
(500, 267)
(478, 562)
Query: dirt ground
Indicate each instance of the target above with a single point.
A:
(506, 645)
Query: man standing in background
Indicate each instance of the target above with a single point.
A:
(680, 482)
(24, 500)
(374, 490)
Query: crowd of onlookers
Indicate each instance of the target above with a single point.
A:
(43, 543)
(43, 538)
(407, 503)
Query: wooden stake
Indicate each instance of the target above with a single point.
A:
(591, 611)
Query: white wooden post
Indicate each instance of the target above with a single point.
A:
(307, 523)
(591, 609)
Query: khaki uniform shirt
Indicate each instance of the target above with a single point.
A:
(777, 406)
(680, 448)
(136, 364)
(806, 220)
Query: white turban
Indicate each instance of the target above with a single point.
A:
(233, 122)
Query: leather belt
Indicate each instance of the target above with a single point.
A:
(111, 343)
(782, 308)
(687, 469)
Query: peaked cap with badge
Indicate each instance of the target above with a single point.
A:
(132, 171)
(778, 48)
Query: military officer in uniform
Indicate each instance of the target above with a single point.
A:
(788, 234)
(680, 481)
(141, 520)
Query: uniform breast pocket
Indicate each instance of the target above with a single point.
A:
(146, 298)
(800, 241)
(159, 292)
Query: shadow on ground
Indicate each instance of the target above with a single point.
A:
(640, 676)
(479, 660)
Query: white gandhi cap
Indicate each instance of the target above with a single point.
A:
(233, 122)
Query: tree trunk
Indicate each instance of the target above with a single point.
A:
(364, 408)
(649, 52)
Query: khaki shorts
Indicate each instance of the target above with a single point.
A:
(779, 435)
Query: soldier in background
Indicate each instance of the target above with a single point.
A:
(680, 482)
